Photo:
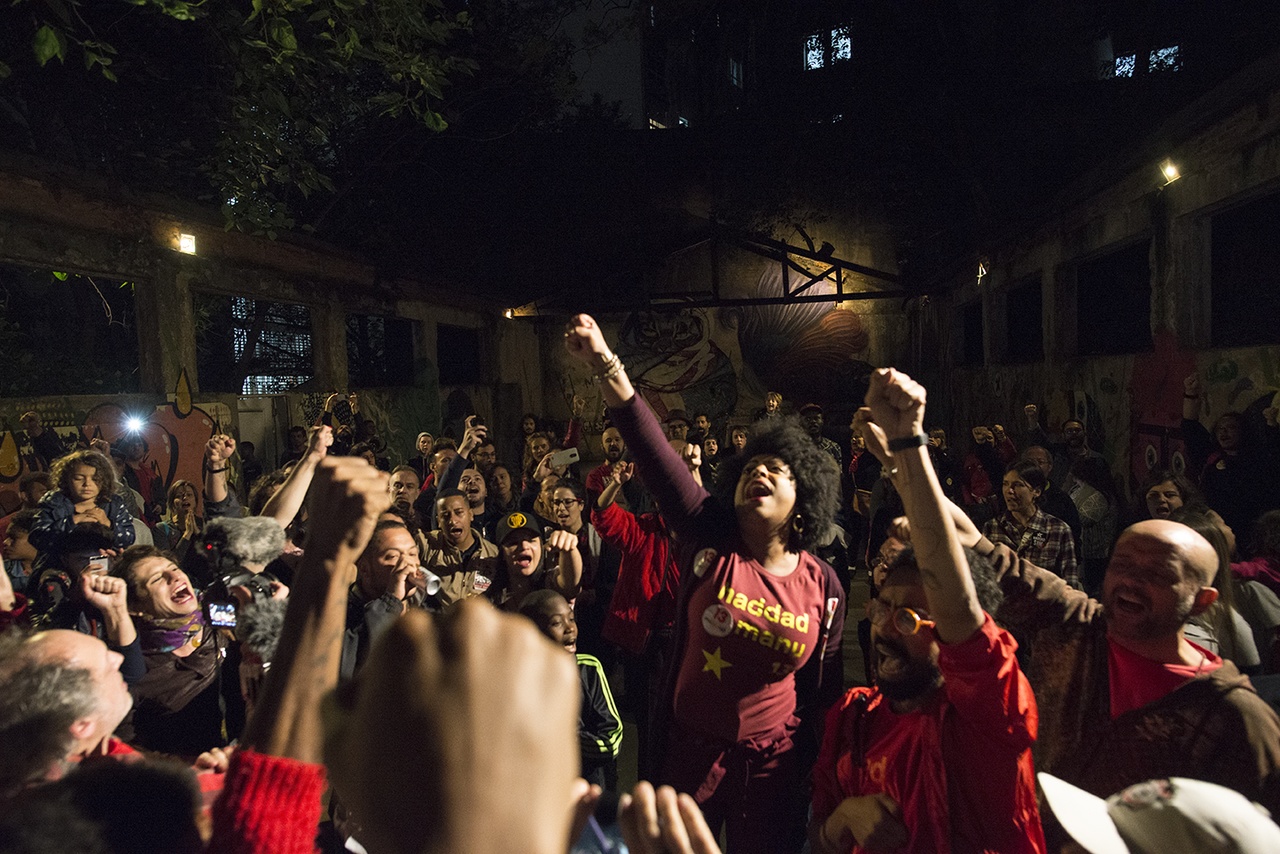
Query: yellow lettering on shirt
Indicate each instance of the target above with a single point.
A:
(757, 608)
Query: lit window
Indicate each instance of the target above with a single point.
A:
(683, 122)
(1125, 65)
(1165, 59)
(653, 16)
(841, 44)
(814, 54)
(654, 124)
(838, 117)
(828, 47)
(735, 72)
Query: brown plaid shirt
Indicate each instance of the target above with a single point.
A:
(1045, 541)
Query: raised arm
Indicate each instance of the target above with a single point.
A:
(347, 495)
(566, 563)
(218, 499)
(585, 342)
(287, 501)
(271, 802)
(664, 473)
(897, 405)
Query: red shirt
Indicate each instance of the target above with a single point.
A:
(1137, 681)
(748, 632)
(960, 768)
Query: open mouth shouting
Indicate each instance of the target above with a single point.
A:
(524, 561)
(181, 593)
(758, 488)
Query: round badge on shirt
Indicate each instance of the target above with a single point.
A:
(717, 621)
(703, 561)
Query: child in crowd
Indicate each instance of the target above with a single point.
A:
(599, 727)
(85, 491)
(19, 554)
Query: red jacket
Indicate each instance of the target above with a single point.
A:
(644, 599)
(960, 768)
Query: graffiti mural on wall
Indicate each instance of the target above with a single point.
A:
(373, 406)
(722, 362)
(676, 364)
(1131, 405)
(162, 443)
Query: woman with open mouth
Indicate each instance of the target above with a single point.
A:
(179, 703)
(756, 659)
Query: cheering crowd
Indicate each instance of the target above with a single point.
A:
(439, 656)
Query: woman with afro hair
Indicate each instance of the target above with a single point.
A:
(756, 659)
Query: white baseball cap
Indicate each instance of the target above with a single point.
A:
(1162, 817)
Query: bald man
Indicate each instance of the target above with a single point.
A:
(1123, 695)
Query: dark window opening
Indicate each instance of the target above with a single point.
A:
(247, 346)
(1245, 290)
(62, 333)
(971, 334)
(379, 351)
(1024, 326)
(1113, 302)
(458, 354)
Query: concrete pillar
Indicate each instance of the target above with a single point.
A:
(166, 328)
(329, 346)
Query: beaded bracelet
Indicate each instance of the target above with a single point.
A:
(612, 368)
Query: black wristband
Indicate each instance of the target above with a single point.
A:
(215, 471)
(908, 442)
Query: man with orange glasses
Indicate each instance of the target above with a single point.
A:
(937, 755)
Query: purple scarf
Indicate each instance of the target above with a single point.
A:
(165, 634)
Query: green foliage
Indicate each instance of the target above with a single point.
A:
(49, 43)
(306, 72)
(285, 113)
(289, 83)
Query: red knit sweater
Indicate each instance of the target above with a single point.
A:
(269, 805)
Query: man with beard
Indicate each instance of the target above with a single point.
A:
(614, 448)
(1126, 697)
(936, 756)
(464, 560)
(473, 486)
(1074, 444)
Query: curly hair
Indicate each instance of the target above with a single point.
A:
(985, 583)
(817, 478)
(104, 472)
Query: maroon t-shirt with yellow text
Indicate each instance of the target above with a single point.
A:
(748, 632)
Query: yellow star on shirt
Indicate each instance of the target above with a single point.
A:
(714, 662)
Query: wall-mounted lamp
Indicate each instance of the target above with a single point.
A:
(1169, 171)
(509, 313)
(187, 244)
